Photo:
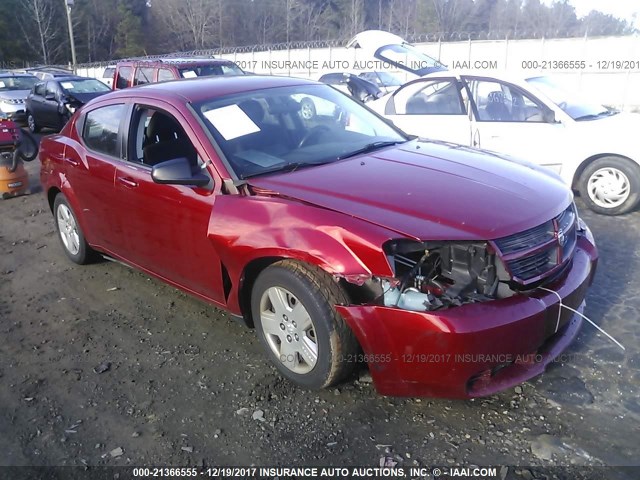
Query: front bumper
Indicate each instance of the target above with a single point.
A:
(476, 349)
(16, 112)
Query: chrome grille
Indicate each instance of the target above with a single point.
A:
(538, 250)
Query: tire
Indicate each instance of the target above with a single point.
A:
(610, 185)
(28, 150)
(307, 109)
(289, 337)
(69, 232)
(31, 123)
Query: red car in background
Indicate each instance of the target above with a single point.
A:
(340, 239)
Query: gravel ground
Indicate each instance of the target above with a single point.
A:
(184, 384)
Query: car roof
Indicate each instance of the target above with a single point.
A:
(203, 88)
(11, 74)
(497, 74)
(178, 61)
(67, 78)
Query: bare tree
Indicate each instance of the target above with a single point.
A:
(191, 22)
(41, 14)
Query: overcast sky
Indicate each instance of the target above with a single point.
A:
(624, 9)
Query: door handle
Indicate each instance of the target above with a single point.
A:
(128, 182)
(476, 139)
(72, 162)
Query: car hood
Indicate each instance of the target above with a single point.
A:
(84, 97)
(618, 124)
(430, 190)
(15, 94)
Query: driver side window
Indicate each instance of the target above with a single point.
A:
(501, 102)
(158, 137)
(430, 97)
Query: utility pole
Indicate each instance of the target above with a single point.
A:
(68, 5)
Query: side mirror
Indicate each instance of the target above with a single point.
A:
(49, 96)
(549, 116)
(178, 172)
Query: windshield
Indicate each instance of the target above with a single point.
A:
(210, 70)
(17, 83)
(287, 128)
(409, 58)
(382, 79)
(84, 86)
(572, 104)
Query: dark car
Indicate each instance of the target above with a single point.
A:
(341, 240)
(52, 102)
(359, 88)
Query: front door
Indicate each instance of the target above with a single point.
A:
(507, 119)
(166, 226)
(431, 108)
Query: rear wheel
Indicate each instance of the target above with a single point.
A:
(31, 122)
(70, 233)
(305, 338)
(611, 185)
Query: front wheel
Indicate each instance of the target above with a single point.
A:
(70, 233)
(611, 185)
(31, 122)
(305, 338)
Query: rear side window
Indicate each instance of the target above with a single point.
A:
(101, 129)
(164, 75)
(108, 72)
(124, 77)
(144, 75)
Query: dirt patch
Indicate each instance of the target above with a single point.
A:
(185, 383)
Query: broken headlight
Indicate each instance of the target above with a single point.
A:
(436, 275)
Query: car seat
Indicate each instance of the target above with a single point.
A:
(496, 107)
(165, 140)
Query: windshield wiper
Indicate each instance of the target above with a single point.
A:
(289, 167)
(604, 113)
(370, 147)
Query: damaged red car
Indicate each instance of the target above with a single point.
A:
(339, 238)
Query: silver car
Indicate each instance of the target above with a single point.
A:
(14, 89)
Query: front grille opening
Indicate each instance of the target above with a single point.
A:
(535, 251)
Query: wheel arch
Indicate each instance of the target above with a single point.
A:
(52, 193)
(255, 267)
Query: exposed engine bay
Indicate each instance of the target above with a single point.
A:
(444, 275)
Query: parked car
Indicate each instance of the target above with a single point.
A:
(46, 73)
(359, 88)
(340, 241)
(51, 103)
(108, 75)
(385, 81)
(534, 118)
(14, 88)
(139, 72)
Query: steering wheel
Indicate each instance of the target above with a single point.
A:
(312, 133)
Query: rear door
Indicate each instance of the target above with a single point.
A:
(91, 172)
(433, 108)
(508, 119)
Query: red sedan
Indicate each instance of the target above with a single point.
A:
(339, 238)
